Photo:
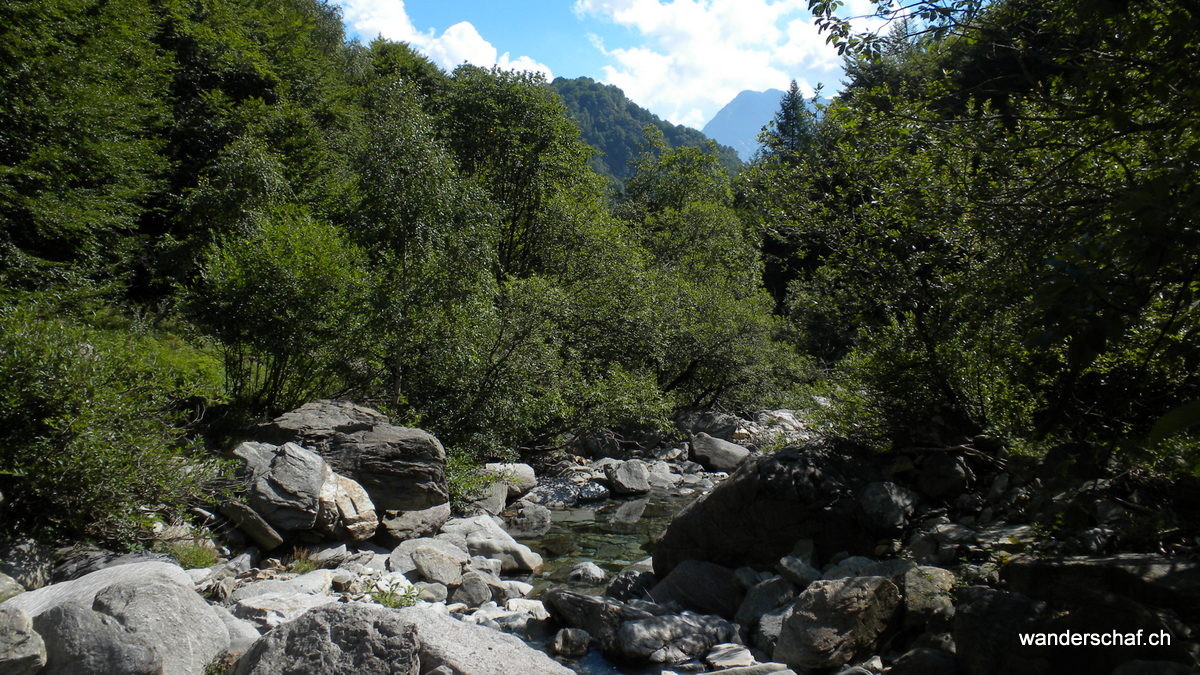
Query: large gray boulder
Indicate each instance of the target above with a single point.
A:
(672, 638)
(21, 648)
(700, 586)
(758, 514)
(295, 489)
(486, 538)
(403, 525)
(401, 558)
(338, 639)
(628, 478)
(401, 469)
(836, 622)
(128, 618)
(468, 648)
(715, 454)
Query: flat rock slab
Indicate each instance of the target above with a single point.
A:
(467, 648)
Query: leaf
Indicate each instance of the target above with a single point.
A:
(1176, 421)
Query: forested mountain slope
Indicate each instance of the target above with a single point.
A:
(613, 124)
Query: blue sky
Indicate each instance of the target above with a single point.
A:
(681, 59)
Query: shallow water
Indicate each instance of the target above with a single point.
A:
(614, 534)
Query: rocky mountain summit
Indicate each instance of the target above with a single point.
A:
(799, 553)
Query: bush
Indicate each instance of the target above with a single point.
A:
(286, 300)
(91, 428)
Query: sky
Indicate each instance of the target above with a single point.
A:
(681, 59)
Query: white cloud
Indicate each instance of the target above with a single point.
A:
(457, 44)
(697, 55)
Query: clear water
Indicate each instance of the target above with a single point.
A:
(613, 534)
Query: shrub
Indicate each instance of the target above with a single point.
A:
(90, 423)
(286, 302)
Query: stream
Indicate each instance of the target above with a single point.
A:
(613, 534)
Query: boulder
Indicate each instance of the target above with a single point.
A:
(715, 454)
(757, 515)
(716, 424)
(529, 520)
(520, 478)
(125, 619)
(466, 648)
(762, 598)
(850, 566)
(630, 583)
(886, 507)
(927, 597)
(440, 565)
(26, 561)
(317, 582)
(473, 590)
(403, 525)
(269, 610)
(401, 469)
(254, 525)
(600, 617)
(836, 622)
(728, 655)
(80, 641)
(9, 587)
(357, 519)
(338, 639)
(401, 558)
(672, 638)
(554, 493)
(242, 633)
(571, 643)
(484, 537)
(295, 489)
(797, 571)
(21, 648)
(587, 573)
(628, 478)
(770, 625)
(700, 586)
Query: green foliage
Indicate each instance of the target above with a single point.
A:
(92, 426)
(285, 300)
(613, 125)
(397, 595)
(993, 229)
(192, 556)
